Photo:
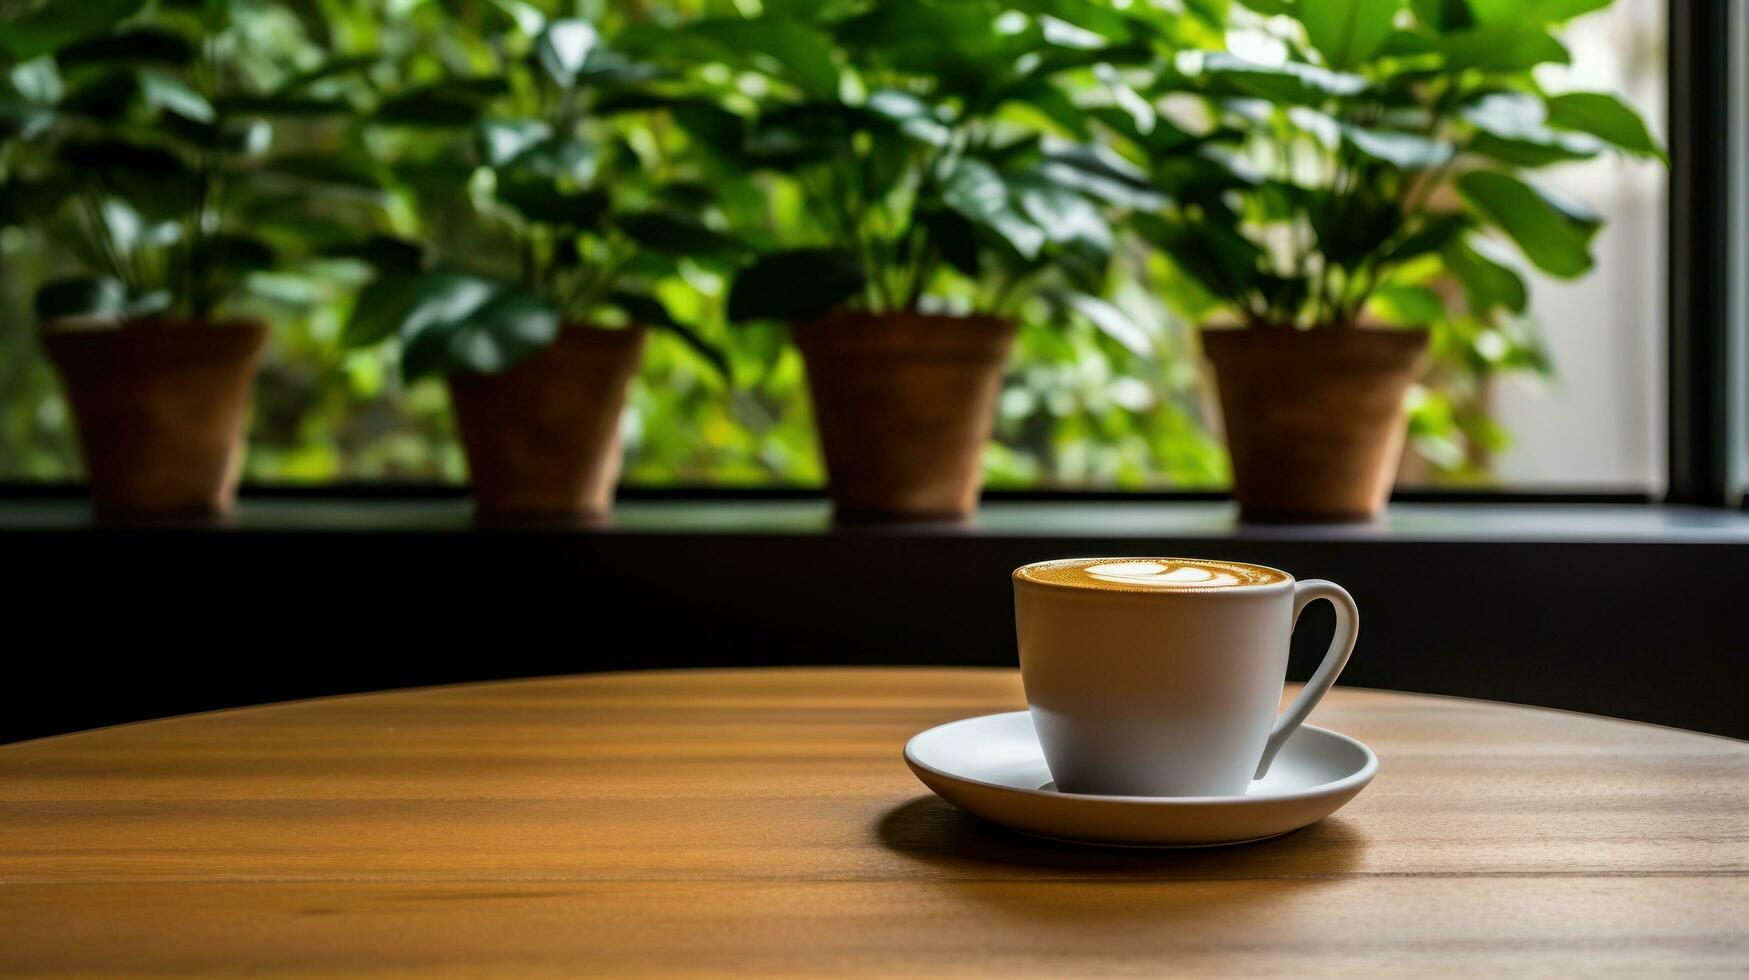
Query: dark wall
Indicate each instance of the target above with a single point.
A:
(113, 625)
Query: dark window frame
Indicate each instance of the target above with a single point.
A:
(1705, 331)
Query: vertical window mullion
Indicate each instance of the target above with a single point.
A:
(1700, 270)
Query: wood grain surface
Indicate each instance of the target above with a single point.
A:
(762, 823)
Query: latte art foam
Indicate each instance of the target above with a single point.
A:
(1150, 574)
(1157, 573)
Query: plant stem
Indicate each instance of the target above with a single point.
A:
(97, 231)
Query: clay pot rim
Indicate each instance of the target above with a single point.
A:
(192, 343)
(1345, 348)
(994, 320)
(573, 343)
(907, 336)
(84, 326)
(584, 330)
(1358, 329)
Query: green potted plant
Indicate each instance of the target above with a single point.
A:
(551, 233)
(133, 141)
(1364, 153)
(937, 199)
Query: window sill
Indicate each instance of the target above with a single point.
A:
(1197, 520)
(1633, 611)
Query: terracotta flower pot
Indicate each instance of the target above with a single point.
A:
(904, 404)
(1314, 418)
(542, 438)
(160, 407)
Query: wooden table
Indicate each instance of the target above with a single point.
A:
(761, 822)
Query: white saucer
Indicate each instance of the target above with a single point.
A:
(992, 766)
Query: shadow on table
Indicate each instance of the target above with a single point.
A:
(936, 833)
(1060, 898)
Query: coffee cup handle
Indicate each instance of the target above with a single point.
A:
(1341, 645)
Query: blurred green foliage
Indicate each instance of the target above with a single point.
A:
(1085, 404)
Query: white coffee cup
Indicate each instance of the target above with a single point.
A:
(1162, 676)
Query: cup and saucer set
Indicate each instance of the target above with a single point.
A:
(1153, 686)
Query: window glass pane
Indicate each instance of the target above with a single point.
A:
(1598, 420)
(1080, 408)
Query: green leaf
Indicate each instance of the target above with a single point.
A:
(528, 18)
(1112, 322)
(1101, 173)
(168, 93)
(1409, 306)
(913, 116)
(965, 48)
(502, 140)
(1409, 151)
(59, 23)
(1051, 61)
(1354, 227)
(979, 193)
(1290, 82)
(1489, 283)
(332, 68)
(1560, 148)
(564, 47)
(1160, 139)
(1097, 19)
(1081, 239)
(674, 233)
(792, 134)
(118, 156)
(336, 171)
(544, 202)
(1409, 44)
(1066, 217)
(1347, 32)
(235, 253)
(1207, 176)
(109, 97)
(1511, 127)
(789, 47)
(704, 120)
(795, 285)
(387, 254)
(1537, 13)
(379, 310)
(34, 83)
(1443, 16)
(429, 108)
(26, 201)
(468, 324)
(1283, 296)
(1218, 257)
(85, 297)
(954, 236)
(569, 158)
(649, 311)
(154, 180)
(1605, 117)
(1501, 49)
(1436, 232)
(451, 321)
(1042, 97)
(475, 88)
(282, 106)
(1551, 232)
(136, 46)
